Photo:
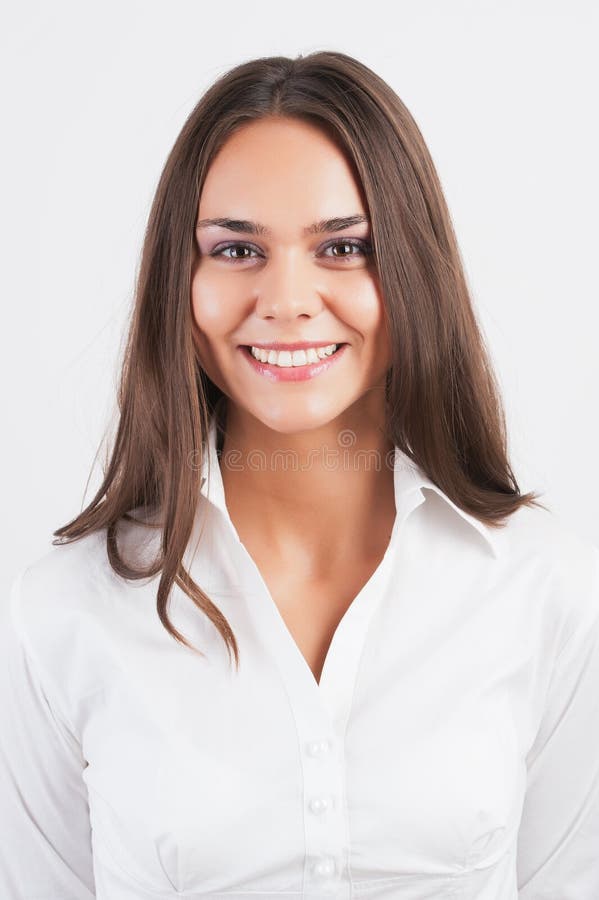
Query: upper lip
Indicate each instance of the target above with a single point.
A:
(297, 345)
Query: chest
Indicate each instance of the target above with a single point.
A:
(203, 781)
(313, 608)
(427, 779)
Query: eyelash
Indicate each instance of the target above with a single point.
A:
(364, 246)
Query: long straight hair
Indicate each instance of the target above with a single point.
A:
(443, 402)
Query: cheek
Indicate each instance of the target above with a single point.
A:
(215, 312)
(361, 301)
(364, 312)
(213, 319)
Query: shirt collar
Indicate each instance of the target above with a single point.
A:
(408, 480)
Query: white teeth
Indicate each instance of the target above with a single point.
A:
(287, 358)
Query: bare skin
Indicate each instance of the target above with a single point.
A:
(318, 527)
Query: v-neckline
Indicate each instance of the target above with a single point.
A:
(333, 692)
(330, 697)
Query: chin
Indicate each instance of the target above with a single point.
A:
(287, 421)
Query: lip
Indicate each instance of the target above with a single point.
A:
(298, 345)
(293, 373)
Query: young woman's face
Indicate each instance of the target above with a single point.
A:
(292, 284)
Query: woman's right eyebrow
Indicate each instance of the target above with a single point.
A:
(245, 226)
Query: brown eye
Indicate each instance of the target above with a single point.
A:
(348, 246)
(220, 251)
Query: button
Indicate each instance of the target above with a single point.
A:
(325, 867)
(317, 748)
(318, 804)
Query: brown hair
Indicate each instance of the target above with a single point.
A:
(443, 402)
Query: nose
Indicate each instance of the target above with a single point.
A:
(288, 288)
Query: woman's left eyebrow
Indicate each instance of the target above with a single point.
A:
(244, 226)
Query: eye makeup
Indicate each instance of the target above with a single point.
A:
(363, 248)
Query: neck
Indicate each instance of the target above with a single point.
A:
(320, 496)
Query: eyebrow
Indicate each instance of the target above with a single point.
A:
(244, 226)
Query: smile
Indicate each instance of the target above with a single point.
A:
(296, 365)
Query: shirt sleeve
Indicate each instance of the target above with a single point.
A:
(45, 846)
(558, 841)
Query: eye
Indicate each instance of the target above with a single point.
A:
(220, 251)
(364, 247)
(349, 245)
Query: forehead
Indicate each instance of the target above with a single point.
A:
(280, 171)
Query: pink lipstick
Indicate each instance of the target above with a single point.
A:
(293, 373)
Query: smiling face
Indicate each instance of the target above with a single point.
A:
(290, 283)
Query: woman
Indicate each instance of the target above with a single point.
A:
(309, 639)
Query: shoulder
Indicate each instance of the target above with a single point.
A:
(75, 618)
(58, 585)
(67, 564)
(72, 587)
(552, 560)
(538, 532)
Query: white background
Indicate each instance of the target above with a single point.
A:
(93, 97)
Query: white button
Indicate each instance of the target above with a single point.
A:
(325, 867)
(318, 804)
(317, 748)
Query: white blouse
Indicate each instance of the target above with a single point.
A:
(451, 749)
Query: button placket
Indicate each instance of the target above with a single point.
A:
(325, 867)
(324, 818)
(318, 748)
(319, 805)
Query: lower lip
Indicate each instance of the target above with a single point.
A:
(293, 373)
